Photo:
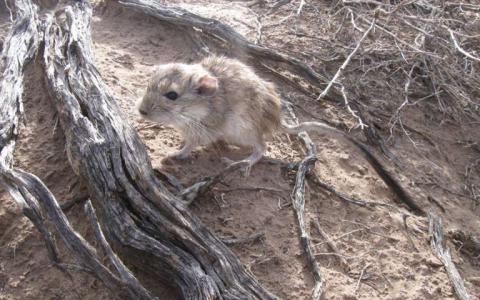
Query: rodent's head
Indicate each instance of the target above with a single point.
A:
(178, 94)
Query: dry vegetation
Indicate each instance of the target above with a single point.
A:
(401, 75)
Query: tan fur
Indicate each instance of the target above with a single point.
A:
(244, 110)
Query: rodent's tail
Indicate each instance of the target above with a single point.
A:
(309, 126)
(374, 162)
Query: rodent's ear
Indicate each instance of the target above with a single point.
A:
(207, 85)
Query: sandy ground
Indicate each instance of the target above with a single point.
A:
(393, 263)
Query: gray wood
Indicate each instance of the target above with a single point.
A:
(18, 50)
(437, 242)
(137, 212)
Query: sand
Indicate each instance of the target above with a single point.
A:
(394, 263)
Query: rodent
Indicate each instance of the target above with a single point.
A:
(218, 99)
(222, 99)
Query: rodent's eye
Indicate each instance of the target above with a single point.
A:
(171, 95)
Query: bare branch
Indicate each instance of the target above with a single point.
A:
(346, 62)
(460, 49)
(298, 202)
(438, 245)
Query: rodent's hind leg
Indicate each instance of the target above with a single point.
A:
(258, 152)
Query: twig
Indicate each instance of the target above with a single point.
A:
(332, 245)
(360, 277)
(373, 2)
(347, 61)
(192, 192)
(299, 10)
(460, 49)
(407, 232)
(438, 245)
(9, 11)
(347, 198)
(396, 117)
(350, 110)
(250, 239)
(352, 19)
(298, 203)
(397, 39)
(258, 38)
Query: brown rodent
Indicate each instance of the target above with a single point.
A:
(218, 99)
(223, 99)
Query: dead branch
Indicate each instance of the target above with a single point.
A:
(360, 277)
(365, 203)
(19, 48)
(83, 252)
(360, 124)
(199, 188)
(300, 7)
(298, 203)
(460, 49)
(443, 253)
(170, 179)
(343, 262)
(26, 188)
(347, 61)
(250, 239)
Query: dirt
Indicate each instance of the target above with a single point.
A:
(392, 262)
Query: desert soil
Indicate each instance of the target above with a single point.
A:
(394, 263)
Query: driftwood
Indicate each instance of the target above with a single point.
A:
(137, 212)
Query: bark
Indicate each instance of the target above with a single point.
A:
(19, 48)
(153, 226)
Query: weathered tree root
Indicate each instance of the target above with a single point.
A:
(24, 187)
(19, 48)
(137, 211)
(298, 202)
(441, 250)
(125, 274)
